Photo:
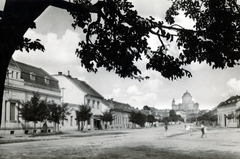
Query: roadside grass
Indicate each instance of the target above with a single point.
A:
(52, 136)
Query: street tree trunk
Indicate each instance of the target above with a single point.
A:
(17, 17)
(54, 127)
(57, 127)
(34, 128)
(82, 125)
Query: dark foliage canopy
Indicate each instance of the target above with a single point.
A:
(230, 116)
(146, 107)
(166, 119)
(117, 38)
(215, 35)
(38, 110)
(209, 116)
(84, 113)
(138, 118)
(34, 110)
(174, 117)
(107, 116)
(151, 118)
(57, 112)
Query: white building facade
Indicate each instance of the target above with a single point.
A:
(21, 82)
(76, 92)
(227, 112)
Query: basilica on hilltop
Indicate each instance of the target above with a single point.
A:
(187, 108)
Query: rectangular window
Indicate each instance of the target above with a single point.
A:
(93, 103)
(71, 118)
(16, 75)
(88, 102)
(12, 112)
(97, 104)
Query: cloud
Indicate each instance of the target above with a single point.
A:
(153, 85)
(2, 3)
(196, 66)
(58, 52)
(116, 92)
(149, 99)
(133, 90)
(157, 9)
(233, 86)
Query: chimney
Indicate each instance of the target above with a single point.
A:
(59, 73)
(69, 74)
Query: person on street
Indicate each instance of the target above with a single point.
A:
(202, 129)
(166, 127)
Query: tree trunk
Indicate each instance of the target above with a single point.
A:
(19, 15)
(34, 128)
(57, 127)
(4, 58)
(82, 126)
(78, 125)
(13, 26)
(54, 127)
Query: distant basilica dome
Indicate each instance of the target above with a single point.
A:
(187, 107)
(186, 94)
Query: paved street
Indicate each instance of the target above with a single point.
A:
(130, 143)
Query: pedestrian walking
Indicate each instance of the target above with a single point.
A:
(203, 130)
(166, 127)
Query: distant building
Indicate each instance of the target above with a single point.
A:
(187, 108)
(121, 112)
(162, 113)
(228, 111)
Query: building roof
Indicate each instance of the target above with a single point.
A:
(84, 87)
(186, 94)
(108, 103)
(230, 101)
(13, 63)
(122, 107)
(40, 76)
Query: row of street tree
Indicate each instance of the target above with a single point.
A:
(41, 110)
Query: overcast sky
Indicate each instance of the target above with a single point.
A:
(208, 87)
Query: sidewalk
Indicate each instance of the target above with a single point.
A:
(56, 136)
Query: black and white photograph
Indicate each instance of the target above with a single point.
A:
(120, 79)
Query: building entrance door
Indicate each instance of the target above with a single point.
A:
(97, 124)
